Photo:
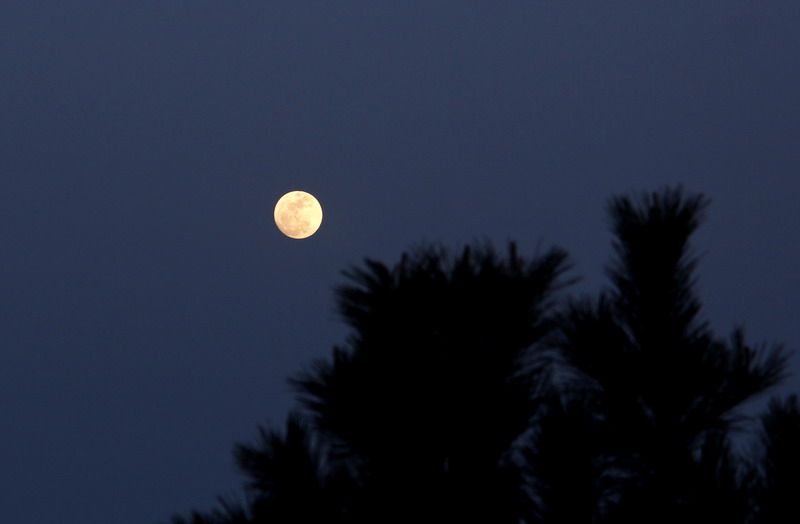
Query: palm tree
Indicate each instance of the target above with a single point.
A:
(668, 393)
(435, 386)
(421, 413)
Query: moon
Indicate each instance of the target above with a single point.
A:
(298, 214)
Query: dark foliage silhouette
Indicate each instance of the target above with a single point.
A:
(778, 458)
(466, 392)
(289, 481)
(436, 383)
(230, 513)
(666, 393)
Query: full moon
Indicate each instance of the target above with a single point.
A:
(298, 214)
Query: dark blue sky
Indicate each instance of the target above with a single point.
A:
(151, 311)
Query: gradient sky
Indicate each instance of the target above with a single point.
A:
(151, 311)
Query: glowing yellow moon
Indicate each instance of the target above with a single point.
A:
(298, 214)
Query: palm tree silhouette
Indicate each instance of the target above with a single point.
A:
(667, 393)
(467, 393)
(436, 384)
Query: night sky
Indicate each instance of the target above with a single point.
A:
(151, 311)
